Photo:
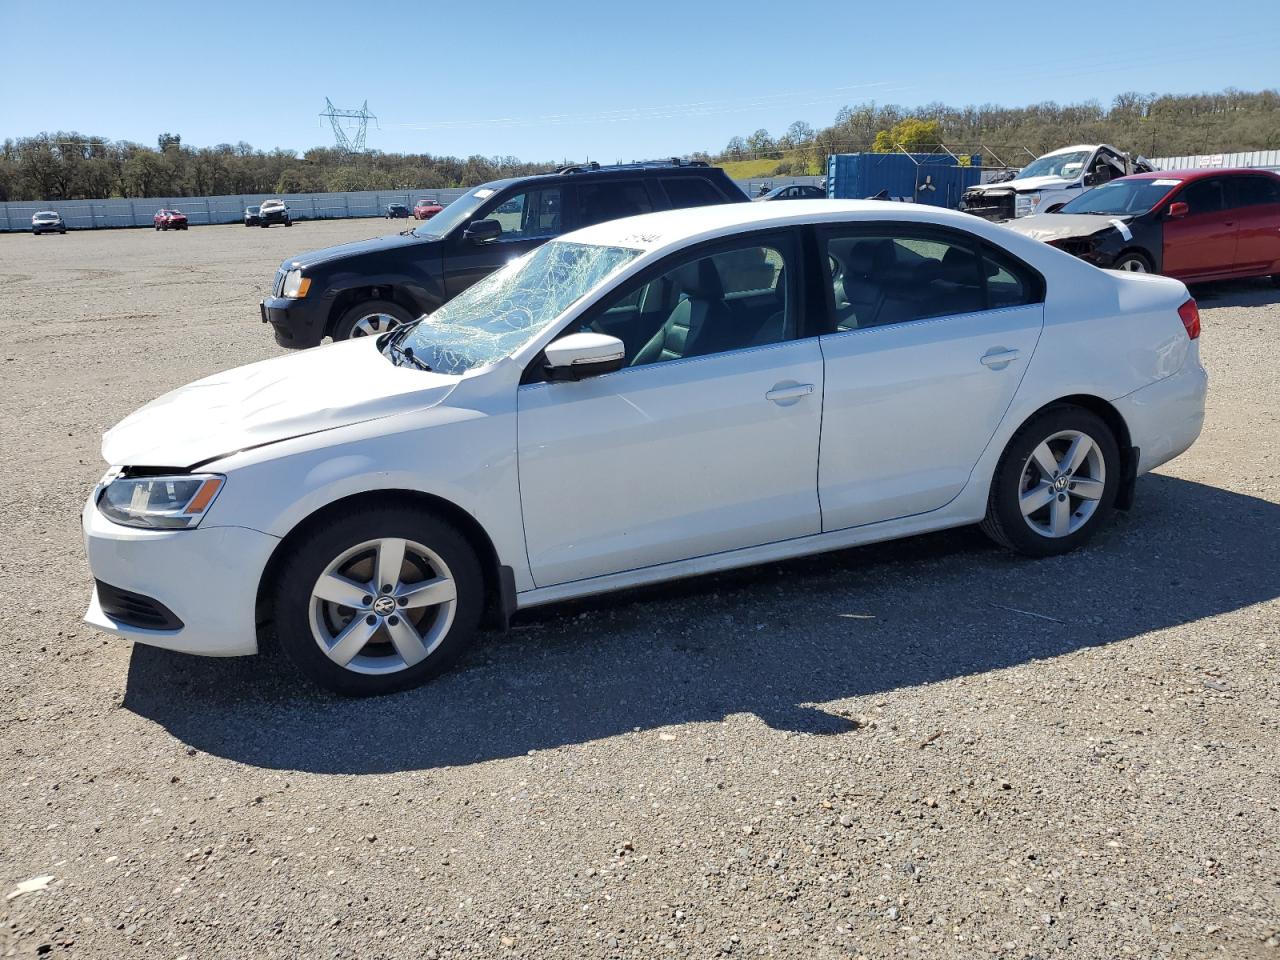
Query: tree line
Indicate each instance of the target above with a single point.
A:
(1149, 124)
(72, 166)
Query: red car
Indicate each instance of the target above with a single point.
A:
(170, 220)
(426, 209)
(1195, 225)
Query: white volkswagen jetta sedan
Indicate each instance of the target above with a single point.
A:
(640, 400)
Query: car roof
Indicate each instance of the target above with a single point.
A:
(1075, 148)
(1199, 173)
(622, 171)
(675, 228)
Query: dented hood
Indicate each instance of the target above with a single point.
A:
(274, 400)
(1027, 184)
(1056, 226)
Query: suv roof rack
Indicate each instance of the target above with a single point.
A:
(593, 166)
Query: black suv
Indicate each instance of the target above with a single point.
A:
(361, 289)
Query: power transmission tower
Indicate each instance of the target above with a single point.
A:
(348, 134)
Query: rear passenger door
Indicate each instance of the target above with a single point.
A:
(934, 330)
(1256, 206)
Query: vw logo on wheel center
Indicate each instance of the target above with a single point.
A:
(384, 606)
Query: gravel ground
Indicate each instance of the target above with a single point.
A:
(921, 749)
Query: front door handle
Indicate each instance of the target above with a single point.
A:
(789, 393)
(998, 358)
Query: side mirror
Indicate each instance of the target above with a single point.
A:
(582, 355)
(482, 231)
(1092, 179)
(1177, 210)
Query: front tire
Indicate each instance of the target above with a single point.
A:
(382, 599)
(1131, 261)
(371, 318)
(1055, 484)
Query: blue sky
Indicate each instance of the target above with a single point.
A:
(601, 80)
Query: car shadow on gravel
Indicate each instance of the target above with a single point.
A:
(781, 641)
(1258, 292)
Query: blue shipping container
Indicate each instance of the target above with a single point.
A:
(935, 179)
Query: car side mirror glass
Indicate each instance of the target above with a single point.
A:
(582, 355)
(1178, 209)
(482, 231)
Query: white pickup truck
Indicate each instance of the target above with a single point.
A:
(1052, 179)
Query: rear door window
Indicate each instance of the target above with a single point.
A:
(1256, 191)
(880, 278)
(691, 192)
(611, 200)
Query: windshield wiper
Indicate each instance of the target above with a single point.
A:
(407, 354)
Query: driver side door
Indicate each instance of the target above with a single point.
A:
(706, 442)
(528, 218)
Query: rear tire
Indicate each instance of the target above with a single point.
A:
(1055, 484)
(388, 639)
(370, 318)
(1131, 261)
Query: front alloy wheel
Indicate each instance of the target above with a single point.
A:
(377, 599)
(1133, 263)
(383, 606)
(370, 319)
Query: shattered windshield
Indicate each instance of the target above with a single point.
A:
(502, 312)
(1065, 165)
(1122, 197)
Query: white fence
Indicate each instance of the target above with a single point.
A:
(1259, 159)
(98, 214)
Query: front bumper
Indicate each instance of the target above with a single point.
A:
(1166, 417)
(296, 323)
(49, 228)
(208, 578)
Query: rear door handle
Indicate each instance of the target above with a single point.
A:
(998, 358)
(789, 393)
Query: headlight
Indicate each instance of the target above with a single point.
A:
(295, 285)
(161, 503)
(1025, 204)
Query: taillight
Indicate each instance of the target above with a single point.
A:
(1190, 315)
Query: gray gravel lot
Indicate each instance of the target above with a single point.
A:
(921, 749)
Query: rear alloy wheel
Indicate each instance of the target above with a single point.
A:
(381, 600)
(1133, 263)
(1055, 484)
(370, 319)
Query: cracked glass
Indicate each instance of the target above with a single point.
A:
(495, 317)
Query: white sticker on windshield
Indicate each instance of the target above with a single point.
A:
(481, 194)
(1166, 183)
(1123, 228)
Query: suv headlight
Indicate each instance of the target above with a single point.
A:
(295, 285)
(1025, 204)
(160, 503)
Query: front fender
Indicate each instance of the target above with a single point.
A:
(465, 456)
